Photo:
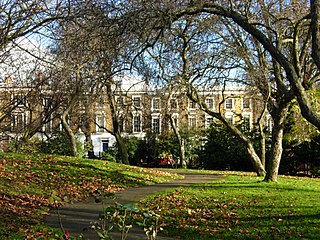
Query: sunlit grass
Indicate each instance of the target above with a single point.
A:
(242, 207)
(27, 182)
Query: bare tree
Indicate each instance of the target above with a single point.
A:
(283, 32)
(74, 50)
(192, 66)
(94, 47)
(20, 21)
(24, 17)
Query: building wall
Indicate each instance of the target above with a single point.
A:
(96, 109)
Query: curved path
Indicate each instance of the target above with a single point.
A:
(77, 217)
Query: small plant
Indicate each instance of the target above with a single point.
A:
(122, 218)
(150, 224)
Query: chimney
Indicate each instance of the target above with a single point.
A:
(8, 79)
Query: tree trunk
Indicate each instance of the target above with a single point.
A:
(315, 29)
(262, 140)
(86, 127)
(182, 150)
(123, 152)
(66, 127)
(253, 156)
(87, 134)
(89, 146)
(276, 146)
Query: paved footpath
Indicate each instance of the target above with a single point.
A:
(77, 217)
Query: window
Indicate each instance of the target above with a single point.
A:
(104, 145)
(228, 104)
(175, 117)
(100, 123)
(19, 100)
(101, 102)
(208, 121)
(246, 103)
(83, 103)
(229, 117)
(192, 121)
(210, 103)
(173, 103)
(18, 122)
(136, 101)
(47, 102)
(120, 102)
(269, 123)
(156, 104)
(137, 123)
(246, 122)
(47, 127)
(192, 105)
(121, 123)
(156, 124)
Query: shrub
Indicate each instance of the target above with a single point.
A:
(223, 151)
(60, 144)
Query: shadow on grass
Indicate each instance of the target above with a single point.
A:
(303, 226)
(244, 185)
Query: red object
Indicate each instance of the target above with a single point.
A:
(164, 162)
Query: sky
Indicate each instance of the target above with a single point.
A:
(21, 59)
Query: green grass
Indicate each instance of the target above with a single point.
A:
(28, 182)
(241, 206)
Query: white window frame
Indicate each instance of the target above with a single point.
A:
(14, 124)
(153, 108)
(226, 103)
(228, 116)
(119, 104)
(192, 105)
(192, 121)
(207, 121)
(101, 102)
(242, 105)
(100, 129)
(138, 114)
(104, 140)
(175, 100)
(248, 116)
(19, 99)
(47, 127)
(140, 102)
(175, 117)
(269, 122)
(153, 118)
(213, 103)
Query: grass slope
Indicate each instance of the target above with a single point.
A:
(241, 207)
(28, 182)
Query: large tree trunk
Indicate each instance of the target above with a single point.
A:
(315, 29)
(86, 127)
(67, 128)
(276, 146)
(123, 152)
(262, 141)
(89, 145)
(182, 151)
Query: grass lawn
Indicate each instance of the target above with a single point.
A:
(28, 182)
(241, 206)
